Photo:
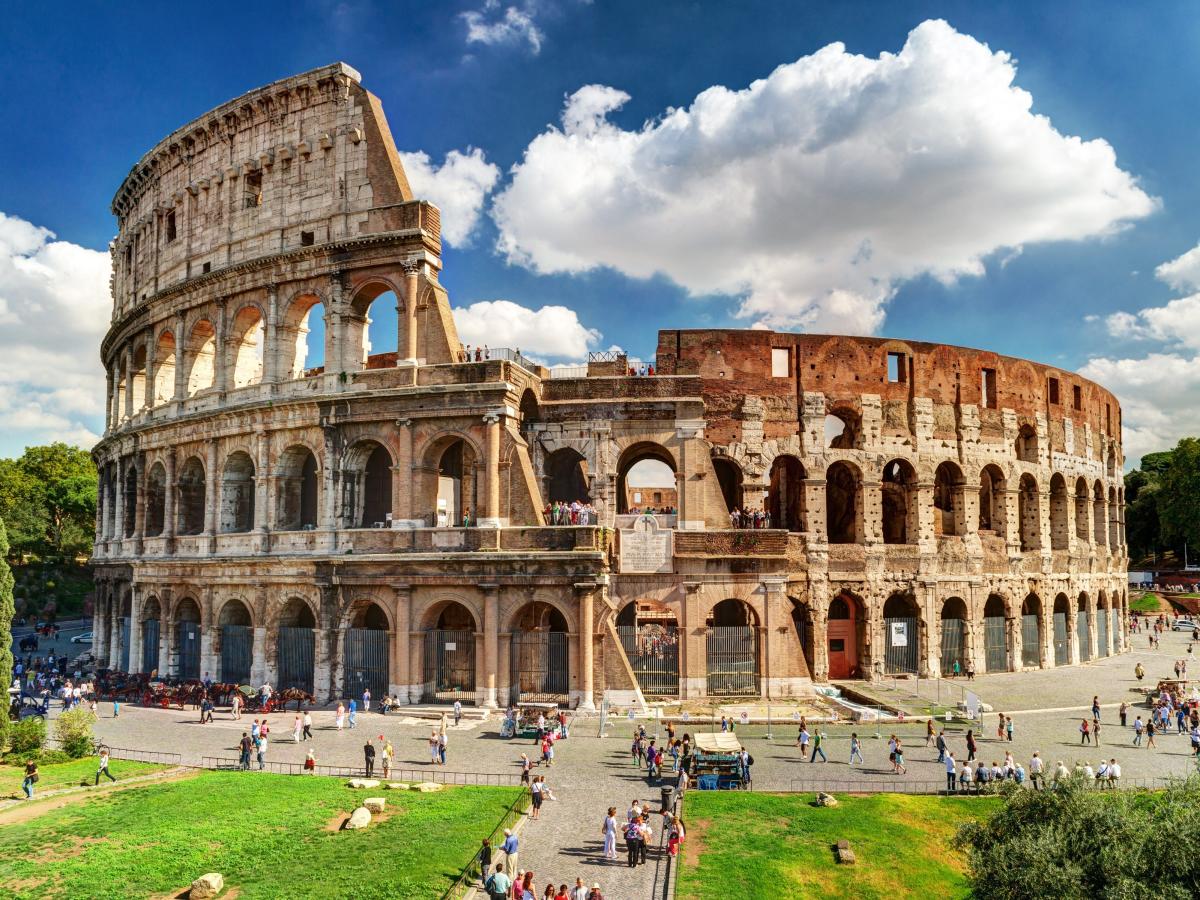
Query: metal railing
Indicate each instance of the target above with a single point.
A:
(903, 786)
(146, 756)
(472, 871)
(438, 776)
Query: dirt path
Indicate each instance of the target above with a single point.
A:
(14, 811)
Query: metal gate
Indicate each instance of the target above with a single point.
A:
(995, 644)
(900, 645)
(187, 646)
(125, 644)
(237, 653)
(366, 663)
(1031, 640)
(1081, 635)
(653, 653)
(732, 661)
(953, 646)
(540, 667)
(295, 655)
(1062, 644)
(449, 666)
(1101, 632)
(150, 633)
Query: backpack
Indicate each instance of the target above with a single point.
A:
(632, 832)
(749, 760)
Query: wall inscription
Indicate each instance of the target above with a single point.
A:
(646, 547)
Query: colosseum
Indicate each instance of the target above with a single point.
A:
(392, 518)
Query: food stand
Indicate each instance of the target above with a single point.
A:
(716, 761)
(526, 720)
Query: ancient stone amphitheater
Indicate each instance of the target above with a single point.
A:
(263, 520)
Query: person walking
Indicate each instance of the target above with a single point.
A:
(31, 778)
(535, 793)
(1035, 771)
(970, 745)
(1096, 732)
(1123, 712)
(116, 709)
(511, 848)
(1095, 706)
(855, 748)
(457, 712)
(1085, 732)
(941, 745)
(339, 717)
(899, 759)
(817, 739)
(1138, 728)
(633, 836)
(366, 700)
(297, 729)
(1150, 729)
(244, 747)
(434, 753)
(1008, 728)
(498, 884)
(802, 740)
(353, 711)
(386, 758)
(261, 749)
(369, 757)
(1000, 728)
(951, 769)
(442, 739)
(609, 830)
(102, 766)
(310, 762)
(307, 721)
(930, 734)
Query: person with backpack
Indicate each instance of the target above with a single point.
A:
(633, 837)
(498, 885)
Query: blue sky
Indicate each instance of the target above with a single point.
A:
(1070, 280)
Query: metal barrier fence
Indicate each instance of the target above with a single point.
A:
(440, 776)
(146, 756)
(881, 786)
(465, 882)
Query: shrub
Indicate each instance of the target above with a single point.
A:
(27, 736)
(73, 731)
(42, 757)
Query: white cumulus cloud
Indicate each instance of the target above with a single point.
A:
(496, 24)
(457, 188)
(54, 310)
(550, 332)
(1183, 272)
(812, 193)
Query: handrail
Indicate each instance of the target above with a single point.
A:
(437, 776)
(465, 882)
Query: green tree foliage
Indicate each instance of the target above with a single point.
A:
(1179, 494)
(1079, 842)
(48, 497)
(27, 737)
(6, 642)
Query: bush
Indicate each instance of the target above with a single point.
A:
(27, 736)
(73, 731)
(42, 758)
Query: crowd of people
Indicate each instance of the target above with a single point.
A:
(574, 513)
(749, 518)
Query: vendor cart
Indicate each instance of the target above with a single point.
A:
(716, 761)
(524, 722)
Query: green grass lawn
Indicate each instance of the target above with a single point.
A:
(63, 775)
(1147, 603)
(268, 835)
(781, 846)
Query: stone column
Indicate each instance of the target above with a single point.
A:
(491, 642)
(1093, 642)
(151, 367)
(139, 508)
(99, 624)
(135, 631)
(773, 667)
(491, 511)
(220, 351)
(1016, 639)
(114, 632)
(815, 516)
(693, 662)
(870, 519)
(272, 352)
(404, 480)
(819, 615)
(258, 658)
(127, 361)
(212, 495)
(587, 646)
(110, 420)
(119, 504)
(181, 380)
(169, 499)
(165, 627)
(415, 650)
(408, 322)
(1073, 653)
(402, 668)
(926, 535)
(329, 486)
(263, 483)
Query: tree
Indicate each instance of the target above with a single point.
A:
(6, 616)
(1179, 494)
(48, 496)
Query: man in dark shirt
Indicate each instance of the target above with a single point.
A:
(244, 746)
(369, 755)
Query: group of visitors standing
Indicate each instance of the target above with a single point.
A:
(574, 513)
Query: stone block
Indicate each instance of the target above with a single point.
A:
(360, 818)
(362, 783)
(207, 886)
(427, 787)
(375, 804)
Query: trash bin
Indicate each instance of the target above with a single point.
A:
(668, 797)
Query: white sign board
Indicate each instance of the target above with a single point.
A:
(451, 645)
(745, 717)
(646, 548)
(972, 705)
(899, 634)
(687, 717)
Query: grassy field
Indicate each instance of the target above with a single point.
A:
(268, 835)
(1147, 603)
(781, 846)
(63, 775)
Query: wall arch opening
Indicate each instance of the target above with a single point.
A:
(367, 654)
(901, 627)
(732, 650)
(156, 499)
(1100, 517)
(649, 635)
(449, 659)
(296, 489)
(540, 655)
(948, 500)
(373, 326)
(843, 504)
(1029, 513)
(367, 481)
(246, 343)
(785, 495)
(303, 337)
(646, 479)
(1060, 526)
(992, 514)
(899, 500)
(236, 636)
(201, 356)
(845, 631)
(151, 634)
(1031, 630)
(842, 428)
(131, 501)
(186, 639)
(1083, 628)
(954, 636)
(567, 477)
(729, 477)
(1062, 634)
(192, 496)
(1027, 444)
(995, 634)
(237, 493)
(295, 646)
(165, 360)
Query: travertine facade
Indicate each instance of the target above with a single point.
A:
(260, 521)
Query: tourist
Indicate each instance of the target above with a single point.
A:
(297, 729)
(261, 749)
(511, 850)
(457, 712)
(930, 733)
(1139, 672)
(1123, 712)
(527, 887)
(1096, 732)
(116, 709)
(442, 738)
(366, 700)
(434, 749)
(634, 811)
(339, 717)
(1114, 773)
(970, 745)
(817, 739)
(235, 705)
(353, 711)
(535, 793)
(965, 778)
(102, 766)
(802, 740)
(307, 725)
(898, 761)
(310, 762)
(1095, 707)
(1150, 728)
(595, 894)
(855, 748)
(386, 758)
(970, 670)
(369, 757)
(951, 768)
(941, 745)
(1138, 728)
(1035, 771)
(580, 892)
(1000, 728)
(609, 830)
(1085, 732)
(526, 765)
(746, 762)
(498, 884)
(1060, 773)
(647, 834)
(244, 746)
(31, 778)
(1008, 728)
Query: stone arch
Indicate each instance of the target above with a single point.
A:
(842, 428)
(731, 612)
(1026, 447)
(732, 650)
(1062, 617)
(137, 376)
(188, 624)
(846, 635)
(539, 663)
(246, 345)
(844, 503)
(235, 611)
(1029, 513)
(297, 358)
(367, 484)
(1082, 531)
(899, 523)
(993, 516)
(297, 612)
(165, 360)
(1083, 626)
(357, 321)
(901, 633)
(1031, 630)
(1100, 516)
(786, 502)
(729, 477)
(567, 476)
(297, 488)
(192, 488)
(295, 644)
(528, 410)
(132, 487)
(237, 493)
(1060, 526)
(456, 611)
(200, 355)
(544, 614)
(953, 643)
(949, 499)
(634, 455)
(995, 633)
(156, 499)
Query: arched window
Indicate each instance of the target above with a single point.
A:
(729, 477)
(899, 503)
(992, 514)
(156, 498)
(201, 356)
(1100, 522)
(1060, 526)
(138, 377)
(192, 492)
(1082, 531)
(954, 636)
(1027, 444)
(646, 479)
(302, 337)
(948, 485)
(164, 368)
(843, 504)
(1030, 514)
(566, 477)
(237, 493)
(842, 428)
(296, 487)
(131, 498)
(785, 497)
(246, 340)
(374, 326)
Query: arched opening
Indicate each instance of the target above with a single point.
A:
(954, 636)
(529, 411)
(237, 493)
(646, 479)
(1060, 525)
(302, 337)
(295, 646)
(566, 477)
(151, 633)
(899, 501)
(1083, 627)
(992, 515)
(732, 650)
(649, 635)
(131, 499)
(729, 477)
(1082, 531)
(236, 634)
(1111, 466)
(164, 369)
(137, 380)
(1029, 513)
(449, 663)
(187, 640)
(201, 357)
(842, 428)
(246, 342)
(367, 657)
(296, 489)
(1031, 631)
(948, 503)
(785, 495)
(1100, 523)
(539, 656)
(1102, 621)
(123, 631)
(901, 631)
(156, 499)
(995, 634)
(118, 375)
(843, 504)
(844, 632)
(192, 498)
(372, 326)
(1027, 444)
(1114, 527)
(367, 481)
(456, 488)
(1062, 634)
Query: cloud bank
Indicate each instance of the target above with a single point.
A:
(457, 188)
(553, 332)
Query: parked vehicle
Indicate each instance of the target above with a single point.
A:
(1183, 625)
(85, 638)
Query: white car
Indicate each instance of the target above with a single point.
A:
(85, 638)
(1183, 625)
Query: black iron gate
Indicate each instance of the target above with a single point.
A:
(1101, 632)
(150, 634)
(1031, 640)
(187, 646)
(296, 656)
(237, 653)
(540, 667)
(954, 646)
(653, 654)
(449, 666)
(125, 644)
(366, 663)
(732, 654)
(1081, 635)
(900, 649)
(995, 644)
(1062, 642)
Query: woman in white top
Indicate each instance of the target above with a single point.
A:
(609, 830)
(340, 717)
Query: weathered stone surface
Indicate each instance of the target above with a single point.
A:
(824, 799)
(360, 818)
(207, 886)
(428, 787)
(396, 785)
(362, 783)
(846, 856)
(375, 804)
